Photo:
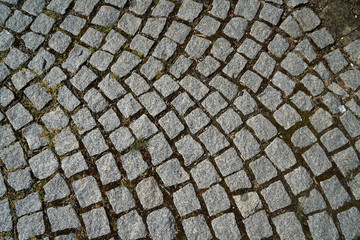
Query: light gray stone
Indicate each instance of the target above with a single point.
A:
(238, 180)
(153, 103)
(154, 27)
(286, 116)
(185, 200)
(128, 106)
(189, 10)
(204, 174)
(129, 23)
(260, 31)
(228, 162)
(349, 223)
(247, 8)
(13, 156)
(96, 223)
(95, 100)
(263, 170)
(190, 149)
(229, 120)
(257, 226)
(213, 140)
(73, 164)
(15, 58)
(197, 46)
(163, 8)
(107, 168)
(120, 199)
(293, 64)
(246, 143)
(20, 179)
(225, 227)
(106, 16)
(171, 173)
(235, 28)
(161, 224)
(6, 223)
(322, 226)
(196, 228)
(313, 202)
(121, 138)
(216, 200)
(248, 203)
(196, 120)
(276, 196)
(77, 56)
(303, 137)
(85, 7)
(62, 218)
(44, 164)
(143, 127)
(131, 226)
(55, 119)
(133, 164)
(18, 21)
(29, 204)
(333, 139)
(262, 127)
(235, 66)
(194, 86)
(94, 142)
(83, 120)
(149, 193)
(56, 189)
(221, 49)
(65, 142)
(87, 191)
(288, 226)
(299, 180)
(159, 149)
(335, 192)
(307, 19)
(30, 226)
(280, 154)
(109, 120)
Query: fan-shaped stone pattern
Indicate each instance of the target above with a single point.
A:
(129, 119)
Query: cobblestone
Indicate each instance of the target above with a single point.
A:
(171, 119)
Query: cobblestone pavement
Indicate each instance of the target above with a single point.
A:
(177, 120)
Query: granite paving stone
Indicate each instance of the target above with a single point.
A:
(137, 229)
(63, 218)
(43, 164)
(185, 200)
(134, 164)
(87, 191)
(349, 223)
(20, 179)
(204, 174)
(56, 189)
(238, 180)
(31, 225)
(248, 203)
(196, 228)
(96, 223)
(225, 227)
(149, 193)
(258, 226)
(29, 204)
(161, 224)
(322, 226)
(335, 192)
(120, 199)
